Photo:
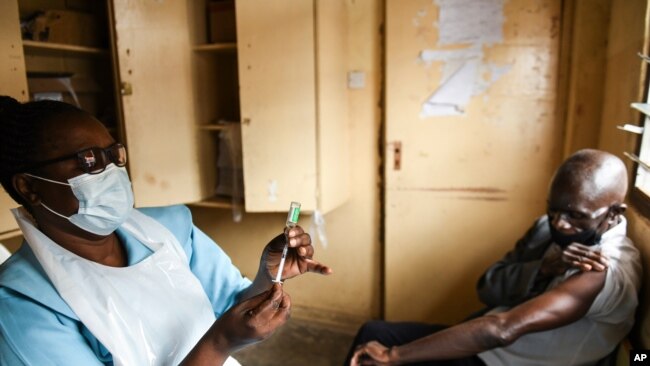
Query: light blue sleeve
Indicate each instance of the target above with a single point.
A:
(221, 280)
(31, 334)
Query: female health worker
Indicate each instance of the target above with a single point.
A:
(98, 282)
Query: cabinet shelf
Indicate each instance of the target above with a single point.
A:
(60, 48)
(215, 47)
(10, 234)
(214, 202)
(216, 127)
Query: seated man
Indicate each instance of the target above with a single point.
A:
(565, 295)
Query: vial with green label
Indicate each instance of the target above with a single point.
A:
(294, 213)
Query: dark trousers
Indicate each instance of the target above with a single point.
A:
(395, 334)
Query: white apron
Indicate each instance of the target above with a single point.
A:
(150, 313)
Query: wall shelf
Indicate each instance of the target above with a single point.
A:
(59, 48)
(214, 202)
(214, 127)
(10, 234)
(215, 47)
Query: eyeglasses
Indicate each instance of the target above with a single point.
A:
(92, 160)
(576, 216)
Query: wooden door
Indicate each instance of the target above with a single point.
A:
(278, 103)
(154, 55)
(471, 143)
(14, 84)
(292, 75)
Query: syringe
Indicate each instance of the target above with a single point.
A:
(292, 220)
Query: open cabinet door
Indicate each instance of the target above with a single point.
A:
(278, 103)
(14, 84)
(471, 143)
(154, 57)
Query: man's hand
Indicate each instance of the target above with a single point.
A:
(299, 257)
(584, 258)
(251, 320)
(371, 353)
(557, 261)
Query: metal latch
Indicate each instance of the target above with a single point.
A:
(126, 88)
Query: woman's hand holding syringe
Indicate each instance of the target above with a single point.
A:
(298, 258)
(296, 254)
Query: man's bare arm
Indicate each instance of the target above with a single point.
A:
(565, 304)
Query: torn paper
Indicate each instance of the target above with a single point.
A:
(454, 94)
(470, 24)
(470, 21)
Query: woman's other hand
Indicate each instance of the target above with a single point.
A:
(252, 320)
(299, 256)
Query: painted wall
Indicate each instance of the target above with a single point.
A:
(352, 229)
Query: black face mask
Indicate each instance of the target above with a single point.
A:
(587, 237)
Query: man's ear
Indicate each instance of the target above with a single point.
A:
(618, 209)
(24, 186)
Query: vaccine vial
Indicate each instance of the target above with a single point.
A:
(294, 213)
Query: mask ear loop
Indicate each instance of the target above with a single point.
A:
(47, 180)
(51, 181)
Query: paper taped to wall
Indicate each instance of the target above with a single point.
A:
(471, 25)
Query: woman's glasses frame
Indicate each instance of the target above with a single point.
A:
(89, 158)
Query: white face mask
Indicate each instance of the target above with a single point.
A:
(105, 199)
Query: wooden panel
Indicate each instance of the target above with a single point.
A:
(154, 53)
(624, 83)
(639, 232)
(14, 83)
(470, 184)
(587, 73)
(333, 124)
(625, 76)
(12, 72)
(277, 91)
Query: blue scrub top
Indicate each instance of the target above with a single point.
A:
(38, 328)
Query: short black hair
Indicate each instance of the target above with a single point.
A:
(22, 127)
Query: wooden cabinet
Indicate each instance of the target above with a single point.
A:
(13, 82)
(166, 91)
(282, 81)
